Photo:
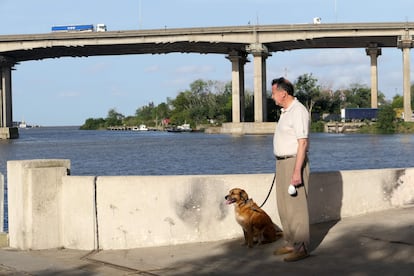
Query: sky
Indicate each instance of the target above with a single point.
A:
(67, 91)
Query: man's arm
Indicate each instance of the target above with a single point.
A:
(300, 159)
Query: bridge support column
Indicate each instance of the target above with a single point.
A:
(260, 53)
(406, 43)
(7, 131)
(237, 84)
(373, 51)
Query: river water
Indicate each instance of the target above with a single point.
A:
(165, 153)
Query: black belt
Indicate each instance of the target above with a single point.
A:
(284, 157)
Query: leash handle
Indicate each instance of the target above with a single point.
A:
(270, 190)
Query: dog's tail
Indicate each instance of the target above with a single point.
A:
(278, 230)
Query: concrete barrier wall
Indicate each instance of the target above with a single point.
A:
(78, 218)
(122, 212)
(339, 194)
(34, 191)
(140, 211)
(248, 128)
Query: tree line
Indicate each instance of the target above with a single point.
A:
(208, 102)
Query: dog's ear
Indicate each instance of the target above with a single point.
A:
(243, 195)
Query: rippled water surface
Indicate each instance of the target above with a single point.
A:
(165, 153)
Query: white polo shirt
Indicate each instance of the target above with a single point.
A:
(293, 124)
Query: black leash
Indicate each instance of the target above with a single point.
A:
(270, 190)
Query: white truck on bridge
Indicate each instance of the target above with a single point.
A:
(80, 28)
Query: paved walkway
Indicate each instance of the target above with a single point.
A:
(380, 243)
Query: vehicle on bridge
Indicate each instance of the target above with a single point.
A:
(80, 28)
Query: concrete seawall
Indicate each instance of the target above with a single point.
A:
(48, 208)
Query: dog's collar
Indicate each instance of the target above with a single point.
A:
(243, 202)
(246, 201)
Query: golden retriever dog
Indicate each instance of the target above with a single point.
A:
(257, 225)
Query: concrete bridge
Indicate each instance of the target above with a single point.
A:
(235, 43)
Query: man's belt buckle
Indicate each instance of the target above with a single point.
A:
(284, 157)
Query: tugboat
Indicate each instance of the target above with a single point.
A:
(185, 128)
(22, 124)
(182, 128)
(140, 128)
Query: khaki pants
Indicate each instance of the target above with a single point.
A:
(293, 210)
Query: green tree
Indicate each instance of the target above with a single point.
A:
(114, 118)
(145, 114)
(161, 112)
(248, 106)
(205, 100)
(331, 102)
(397, 101)
(130, 121)
(307, 90)
(92, 123)
(181, 107)
(357, 96)
(273, 111)
(386, 119)
(412, 95)
(224, 100)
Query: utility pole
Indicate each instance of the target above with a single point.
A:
(336, 14)
(140, 14)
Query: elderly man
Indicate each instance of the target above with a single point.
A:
(290, 146)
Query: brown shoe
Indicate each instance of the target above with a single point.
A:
(296, 256)
(283, 250)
